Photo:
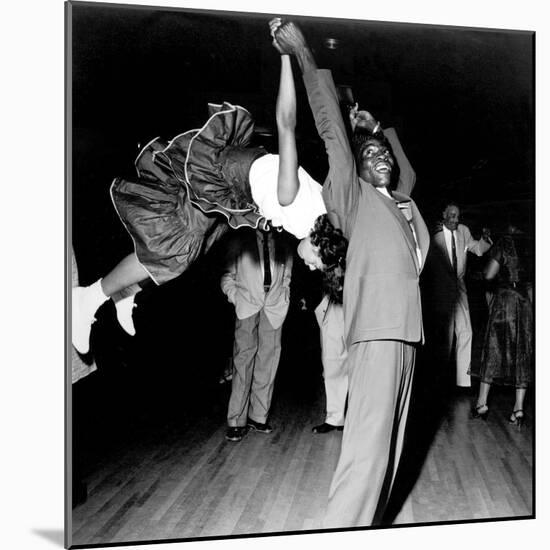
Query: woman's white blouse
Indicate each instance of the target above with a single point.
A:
(299, 217)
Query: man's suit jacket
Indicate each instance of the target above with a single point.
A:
(243, 280)
(442, 284)
(381, 290)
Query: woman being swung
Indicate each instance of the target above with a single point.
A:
(187, 186)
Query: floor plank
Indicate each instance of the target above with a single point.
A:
(182, 479)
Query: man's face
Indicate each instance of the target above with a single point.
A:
(451, 217)
(376, 163)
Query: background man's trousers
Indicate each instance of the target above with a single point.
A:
(462, 328)
(256, 353)
(330, 317)
(380, 383)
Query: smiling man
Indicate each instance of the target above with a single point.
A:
(447, 299)
(388, 242)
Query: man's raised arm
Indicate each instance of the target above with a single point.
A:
(407, 175)
(364, 120)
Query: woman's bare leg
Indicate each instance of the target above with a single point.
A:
(517, 414)
(481, 408)
(520, 398)
(126, 273)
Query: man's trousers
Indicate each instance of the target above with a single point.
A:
(381, 374)
(256, 353)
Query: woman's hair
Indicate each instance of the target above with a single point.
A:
(333, 247)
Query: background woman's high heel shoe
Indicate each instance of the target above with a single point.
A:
(480, 411)
(516, 418)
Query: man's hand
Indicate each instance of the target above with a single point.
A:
(486, 235)
(287, 37)
(438, 226)
(362, 119)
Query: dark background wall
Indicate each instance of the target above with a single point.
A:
(461, 99)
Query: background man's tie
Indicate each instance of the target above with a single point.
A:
(267, 266)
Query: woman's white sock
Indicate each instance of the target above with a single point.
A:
(85, 303)
(124, 309)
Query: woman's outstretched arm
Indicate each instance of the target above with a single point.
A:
(287, 182)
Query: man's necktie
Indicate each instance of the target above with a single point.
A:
(405, 209)
(267, 266)
(453, 251)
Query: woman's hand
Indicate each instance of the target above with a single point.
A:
(274, 24)
(486, 235)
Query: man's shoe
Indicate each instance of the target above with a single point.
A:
(257, 427)
(324, 428)
(235, 433)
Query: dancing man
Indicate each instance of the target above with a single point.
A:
(388, 242)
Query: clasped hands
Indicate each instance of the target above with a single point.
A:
(287, 39)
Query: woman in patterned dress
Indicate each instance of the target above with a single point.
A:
(507, 355)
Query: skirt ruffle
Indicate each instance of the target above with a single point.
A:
(172, 209)
(213, 162)
(167, 230)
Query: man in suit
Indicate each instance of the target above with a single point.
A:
(446, 295)
(330, 315)
(388, 242)
(257, 283)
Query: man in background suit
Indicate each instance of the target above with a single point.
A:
(330, 318)
(388, 242)
(257, 283)
(445, 290)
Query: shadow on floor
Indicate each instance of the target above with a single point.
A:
(432, 392)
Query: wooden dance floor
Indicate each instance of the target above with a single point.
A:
(175, 476)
